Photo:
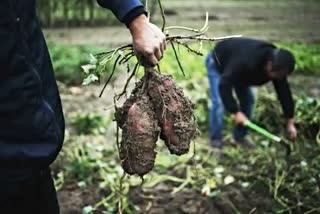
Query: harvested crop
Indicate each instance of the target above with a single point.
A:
(140, 132)
(174, 112)
(156, 105)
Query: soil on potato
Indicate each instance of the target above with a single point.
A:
(155, 101)
(140, 132)
(173, 110)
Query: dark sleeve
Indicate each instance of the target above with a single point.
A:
(124, 10)
(227, 81)
(285, 97)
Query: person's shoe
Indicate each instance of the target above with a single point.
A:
(216, 146)
(247, 144)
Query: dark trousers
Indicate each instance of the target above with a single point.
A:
(35, 195)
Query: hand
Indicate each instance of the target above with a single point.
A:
(291, 129)
(149, 42)
(240, 118)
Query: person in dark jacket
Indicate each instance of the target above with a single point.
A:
(31, 118)
(237, 64)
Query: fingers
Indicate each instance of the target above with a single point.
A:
(153, 60)
(163, 44)
(158, 53)
(159, 50)
(147, 59)
(153, 57)
(149, 44)
(293, 136)
(240, 118)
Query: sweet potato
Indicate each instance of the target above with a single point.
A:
(140, 132)
(173, 110)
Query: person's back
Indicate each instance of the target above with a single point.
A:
(244, 58)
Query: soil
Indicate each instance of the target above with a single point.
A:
(72, 198)
(159, 200)
(271, 20)
(229, 200)
(174, 112)
(140, 132)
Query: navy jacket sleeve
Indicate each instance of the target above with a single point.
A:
(285, 97)
(227, 81)
(124, 10)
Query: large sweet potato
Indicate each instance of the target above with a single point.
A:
(173, 110)
(140, 132)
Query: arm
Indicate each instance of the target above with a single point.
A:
(148, 41)
(225, 88)
(285, 97)
(121, 8)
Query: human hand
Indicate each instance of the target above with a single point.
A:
(149, 42)
(240, 118)
(291, 129)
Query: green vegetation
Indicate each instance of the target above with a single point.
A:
(267, 179)
(307, 56)
(73, 13)
(88, 123)
(282, 183)
(68, 59)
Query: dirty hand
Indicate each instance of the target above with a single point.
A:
(240, 118)
(291, 129)
(148, 41)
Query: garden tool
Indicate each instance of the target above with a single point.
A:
(270, 136)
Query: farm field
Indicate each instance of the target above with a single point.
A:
(88, 173)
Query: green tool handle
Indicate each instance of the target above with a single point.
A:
(262, 131)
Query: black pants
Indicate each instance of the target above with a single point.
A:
(36, 195)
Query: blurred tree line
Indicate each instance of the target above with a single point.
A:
(59, 13)
(70, 13)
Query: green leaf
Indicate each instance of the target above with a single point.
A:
(90, 79)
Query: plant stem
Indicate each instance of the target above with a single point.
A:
(162, 15)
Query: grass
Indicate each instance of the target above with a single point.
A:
(289, 183)
(91, 161)
(68, 59)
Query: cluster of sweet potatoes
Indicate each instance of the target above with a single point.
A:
(156, 107)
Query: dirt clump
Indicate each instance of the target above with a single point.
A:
(155, 106)
(140, 132)
(174, 112)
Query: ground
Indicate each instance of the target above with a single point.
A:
(285, 21)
